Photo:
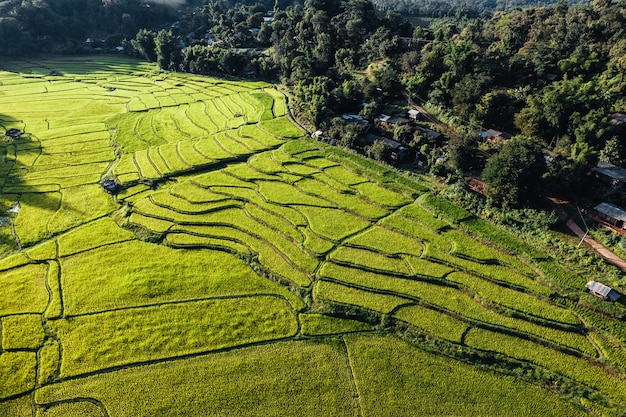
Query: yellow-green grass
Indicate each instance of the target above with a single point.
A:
(251, 111)
(76, 158)
(13, 261)
(211, 149)
(184, 123)
(193, 193)
(516, 300)
(180, 239)
(279, 101)
(20, 406)
(190, 155)
(125, 165)
(315, 243)
(266, 163)
(248, 173)
(330, 181)
(220, 178)
(49, 361)
(500, 236)
(17, 373)
(260, 135)
(91, 235)
(433, 322)
(249, 142)
(504, 274)
(394, 378)
(172, 158)
(370, 260)
(55, 307)
(579, 369)
(73, 408)
(36, 209)
(217, 117)
(348, 201)
(157, 161)
(423, 216)
(231, 145)
(416, 230)
(276, 222)
(150, 223)
(127, 336)
(265, 102)
(333, 224)
(454, 301)
(281, 126)
(386, 241)
(610, 349)
(44, 251)
(22, 331)
(466, 246)
(197, 114)
(23, 290)
(286, 194)
(268, 255)
(320, 324)
(79, 205)
(322, 163)
(343, 294)
(427, 268)
(135, 273)
(381, 195)
(440, 206)
(302, 378)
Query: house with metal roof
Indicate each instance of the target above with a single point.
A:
(602, 291)
(612, 214)
(610, 174)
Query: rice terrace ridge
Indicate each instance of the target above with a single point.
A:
(234, 267)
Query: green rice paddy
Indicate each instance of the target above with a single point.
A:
(241, 269)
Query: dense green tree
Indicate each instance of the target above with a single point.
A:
(144, 44)
(513, 175)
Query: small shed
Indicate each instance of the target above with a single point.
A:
(413, 114)
(13, 133)
(612, 214)
(110, 186)
(602, 291)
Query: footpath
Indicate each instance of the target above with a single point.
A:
(596, 246)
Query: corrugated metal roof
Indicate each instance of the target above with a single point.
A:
(603, 290)
(598, 288)
(611, 171)
(612, 211)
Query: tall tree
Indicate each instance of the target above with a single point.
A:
(513, 175)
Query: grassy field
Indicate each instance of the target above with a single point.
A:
(242, 269)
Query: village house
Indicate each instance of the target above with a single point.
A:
(610, 174)
(610, 213)
(602, 291)
(494, 136)
(398, 152)
(618, 119)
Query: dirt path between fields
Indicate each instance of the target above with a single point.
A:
(596, 246)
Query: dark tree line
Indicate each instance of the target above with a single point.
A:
(32, 26)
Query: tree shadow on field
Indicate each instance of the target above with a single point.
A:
(12, 171)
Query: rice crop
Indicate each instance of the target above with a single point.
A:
(23, 290)
(120, 337)
(338, 293)
(320, 324)
(433, 322)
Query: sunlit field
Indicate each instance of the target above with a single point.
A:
(242, 269)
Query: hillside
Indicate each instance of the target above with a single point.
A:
(238, 268)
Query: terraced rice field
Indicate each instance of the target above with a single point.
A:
(242, 270)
